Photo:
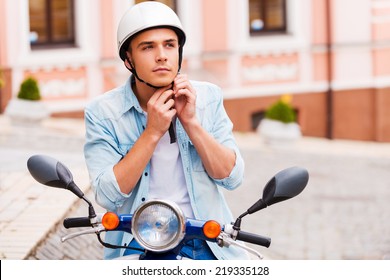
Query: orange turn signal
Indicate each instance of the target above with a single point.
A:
(110, 220)
(211, 229)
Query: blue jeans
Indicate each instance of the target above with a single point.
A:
(195, 249)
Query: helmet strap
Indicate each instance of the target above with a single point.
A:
(171, 126)
(134, 72)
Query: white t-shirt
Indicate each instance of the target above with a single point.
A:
(167, 179)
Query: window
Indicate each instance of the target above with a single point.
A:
(170, 3)
(267, 16)
(51, 23)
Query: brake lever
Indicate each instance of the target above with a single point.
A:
(224, 240)
(96, 230)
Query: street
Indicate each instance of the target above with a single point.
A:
(342, 214)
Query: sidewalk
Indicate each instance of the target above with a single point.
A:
(29, 210)
(342, 214)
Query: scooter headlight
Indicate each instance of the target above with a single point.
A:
(158, 225)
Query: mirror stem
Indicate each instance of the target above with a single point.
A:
(257, 206)
(237, 223)
(75, 189)
(91, 210)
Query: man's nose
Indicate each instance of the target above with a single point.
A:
(161, 54)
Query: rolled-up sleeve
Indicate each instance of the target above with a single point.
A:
(222, 130)
(235, 177)
(101, 154)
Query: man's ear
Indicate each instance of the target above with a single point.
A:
(128, 62)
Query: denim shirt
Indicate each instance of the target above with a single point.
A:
(114, 121)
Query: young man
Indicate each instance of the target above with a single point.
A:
(161, 135)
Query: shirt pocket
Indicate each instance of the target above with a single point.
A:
(197, 165)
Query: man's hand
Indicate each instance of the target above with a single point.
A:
(185, 99)
(160, 109)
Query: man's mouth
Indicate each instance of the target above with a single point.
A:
(161, 69)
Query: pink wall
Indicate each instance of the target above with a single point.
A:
(381, 31)
(319, 22)
(214, 25)
(59, 84)
(3, 34)
(381, 65)
(274, 64)
(320, 66)
(108, 39)
(380, 28)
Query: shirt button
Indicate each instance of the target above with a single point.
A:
(146, 173)
(143, 199)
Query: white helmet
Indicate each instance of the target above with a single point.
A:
(147, 15)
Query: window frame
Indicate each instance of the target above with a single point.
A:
(50, 43)
(268, 31)
(174, 4)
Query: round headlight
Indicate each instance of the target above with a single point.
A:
(158, 225)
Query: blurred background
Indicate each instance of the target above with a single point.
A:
(329, 60)
(332, 61)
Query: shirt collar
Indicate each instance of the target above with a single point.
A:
(131, 100)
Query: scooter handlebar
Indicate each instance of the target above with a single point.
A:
(254, 238)
(77, 222)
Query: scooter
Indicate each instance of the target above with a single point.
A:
(160, 226)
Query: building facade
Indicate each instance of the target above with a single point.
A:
(335, 63)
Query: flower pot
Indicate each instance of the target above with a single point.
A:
(26, 112)
(278, 133)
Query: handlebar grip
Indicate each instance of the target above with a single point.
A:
(254, 238)
(77, 222)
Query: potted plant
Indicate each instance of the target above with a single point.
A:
(279, 125)
(27, 109)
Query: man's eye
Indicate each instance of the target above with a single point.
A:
(171, 45)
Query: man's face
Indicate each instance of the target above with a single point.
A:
(155, 56)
